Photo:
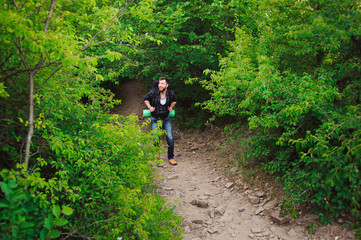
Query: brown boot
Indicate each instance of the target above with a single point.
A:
(172, 162)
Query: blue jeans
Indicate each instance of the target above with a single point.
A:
(167, 126)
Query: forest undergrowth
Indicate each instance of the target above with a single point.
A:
(289, 70)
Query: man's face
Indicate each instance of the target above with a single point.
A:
(162, 85)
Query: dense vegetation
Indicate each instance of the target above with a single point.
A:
(69, 169)
(297, 81)
(288, 69)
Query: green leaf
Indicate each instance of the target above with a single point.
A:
(43, 233)
(4, 203)
(49, 222)
(67, 210)
(19, 197)
(5, 188)
(54, 233)
(60, 222)
(27, 225)
(56, 211)
(12, 184)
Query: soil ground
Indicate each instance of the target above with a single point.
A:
(211, 195)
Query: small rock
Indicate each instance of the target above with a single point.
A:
(270, 205)
(226, 195)
(193, 149)
(204, 197)
(259, 210)
(212, 230)
(256, 230)
(260, 194)
(169, 189)
(241, 209)
(211, 213)
(307, 219)
(227, 217)
(246, 216)
(251, 235)
(229, 185)
(198, 221)
(275, 217)
(219, 210)
(253, 200)
(174, 176)
(216, 179)
(292, 233)
(200, 203)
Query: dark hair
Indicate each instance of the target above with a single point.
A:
(163, 78)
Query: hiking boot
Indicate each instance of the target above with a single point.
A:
(172, 162)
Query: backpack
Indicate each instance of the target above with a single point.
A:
(154, 88)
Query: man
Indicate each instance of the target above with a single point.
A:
(161, 103)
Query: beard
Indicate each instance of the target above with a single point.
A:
(162, 90)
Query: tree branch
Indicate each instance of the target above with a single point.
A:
(105, 41)
(17, 8)
(106, 27)
(57, 70)
(34, 9)
(31, 119)
(32, 73)
(25, 2)
(52, 6)
(31, 105)
(26, 70)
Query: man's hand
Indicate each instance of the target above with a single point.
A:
(170, 109)
(152, 109)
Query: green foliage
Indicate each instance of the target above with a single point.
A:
(3, 93)
(297, 80)
(22, 216)
(179, 40)
(110, 175)
(291, 68)
(89, 172)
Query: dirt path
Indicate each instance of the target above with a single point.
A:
(213, 206)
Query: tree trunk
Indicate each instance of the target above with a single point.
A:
(31, 92)
(31, 119)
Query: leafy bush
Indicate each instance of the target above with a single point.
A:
(298, 83)
(110, 176)
(23, 216)
(85, 173)
(103, 174)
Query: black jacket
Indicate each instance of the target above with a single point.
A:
(161, 111)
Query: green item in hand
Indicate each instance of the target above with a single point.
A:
(172, 113)
(146, 113)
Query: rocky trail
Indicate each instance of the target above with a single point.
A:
(212, 205)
